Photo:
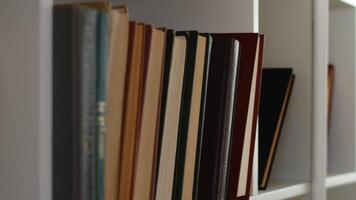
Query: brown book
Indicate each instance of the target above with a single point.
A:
(132, 105)
(244, 132)
(194, 119)
(144, 177)
(118, 41)
(331, 75)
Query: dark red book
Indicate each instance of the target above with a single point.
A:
(246, 112)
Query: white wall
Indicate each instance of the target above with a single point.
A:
(287, 25)
(201, 15)
(342, 52)
(25, 119)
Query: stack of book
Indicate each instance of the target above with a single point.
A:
(151, 113)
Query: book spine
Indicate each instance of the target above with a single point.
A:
(102, 57)
(64, 175)
(88, 28)
(192, 39)
(202, 116)
(228, 122)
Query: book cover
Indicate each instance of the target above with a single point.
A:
(102, 62)
(132, 108)
(219, 115)
(88, 20)
(330, 92)
(170, 37)
(65, 146)
(194, 119)
(144, 177)
(243, 139)
(209, 42)
(168, 144)
(275, 92)
(116, 79)
(192, 40)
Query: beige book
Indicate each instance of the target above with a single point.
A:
(194, 116)
(146, 146)
(171, 121)
(242, 184)
(118, 46)
(133, 95)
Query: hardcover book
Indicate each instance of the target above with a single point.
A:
(116, 78)
(330, 87)
(247, 101)
(102, 62)
(144, 177)
(192, 41)
(65, 146)
(175, 57)
(219, 115)
(75, 106)
(87, 72)
(275, 92)
(196, 117)
(132, 108)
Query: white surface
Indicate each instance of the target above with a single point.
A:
(25, 87)
(342, 138)
(282, 190)
(340, 180)
(347, 192)
(287, 25)
(319, 130)
(202, 15)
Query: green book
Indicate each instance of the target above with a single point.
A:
(102, 63)
(87, 72)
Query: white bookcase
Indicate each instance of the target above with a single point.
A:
(310, 163)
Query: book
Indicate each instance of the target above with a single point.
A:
(144, 177)
(65, 130)
(101, 98)
(202, 114)
(132, 108)
(219, 116)
(276, 89)
(86, 74)
(116, 78)
(244, 184)
(244, 131)
(192, 41)
(174, 71)
(330, 90)
(196, 117)
(170, 38)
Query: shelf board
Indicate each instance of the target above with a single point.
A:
(282, 190)
(340, 180)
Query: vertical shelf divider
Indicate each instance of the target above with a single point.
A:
(319, 111)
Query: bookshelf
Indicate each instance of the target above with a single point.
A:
(309, 165)
(341, 137)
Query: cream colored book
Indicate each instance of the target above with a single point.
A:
(193, 127)
(242, 182)
(149, 124)
(118, 46)
(171, 121)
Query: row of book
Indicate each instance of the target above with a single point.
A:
(151, 113)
